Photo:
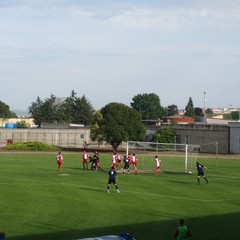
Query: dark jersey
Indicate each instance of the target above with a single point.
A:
(95, 159)
(200, 169)
(112, 176)
(126, 163)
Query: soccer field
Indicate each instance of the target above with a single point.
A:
(39, 203)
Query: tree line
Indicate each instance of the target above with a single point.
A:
(114, 123)
(76, 109)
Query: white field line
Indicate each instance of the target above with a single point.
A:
(128, 192)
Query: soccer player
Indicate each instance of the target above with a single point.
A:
(112, 178)
(182, 231)
(200, 172)
(94, 161)
(59, 161)
(126, 164)
(96, 156)
(119, 160)
(114, 160)
(157, 165)
(135, 163)
(85, 160)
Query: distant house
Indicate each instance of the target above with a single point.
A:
(180, 119)
(8, 122)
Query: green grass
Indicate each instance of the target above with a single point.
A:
(37, 203)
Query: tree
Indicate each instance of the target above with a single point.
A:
(198, 112)
(83, 111)
(22, 124)
(36, 111)
(209, 111)
(77, 109)
(68, 107)
(45, 111)
(148, 105)
(164, 134)
(235, 115)
(97, 133)
(57, 110)
(120, 123)
(189, 109)
(50, 108)
(5, 111)
(171, 110)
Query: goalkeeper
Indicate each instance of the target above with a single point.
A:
(200, 172)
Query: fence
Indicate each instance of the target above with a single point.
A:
(71, 138)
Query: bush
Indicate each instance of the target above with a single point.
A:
(33, 146)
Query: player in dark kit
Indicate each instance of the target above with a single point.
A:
(126, 165)
(112, 178)
(200, 172)
(93, 162)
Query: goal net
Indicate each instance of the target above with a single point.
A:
(174, 157)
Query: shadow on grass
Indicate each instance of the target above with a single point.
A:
(217, 227)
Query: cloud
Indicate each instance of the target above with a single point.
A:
(71, 44)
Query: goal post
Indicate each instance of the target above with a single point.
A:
(174, 157)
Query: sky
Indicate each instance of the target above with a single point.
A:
(111, 51)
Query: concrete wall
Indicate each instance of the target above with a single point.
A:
(205, 135)
(76, 138)
(234, 140)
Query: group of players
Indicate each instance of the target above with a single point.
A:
(118, 161)
(124, 163)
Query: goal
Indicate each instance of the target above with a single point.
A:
(174, 157)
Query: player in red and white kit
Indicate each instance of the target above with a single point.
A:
(134, 161)
(59, 161)
(85, 160)
(157, 165)
(119, 160)
(114, 161)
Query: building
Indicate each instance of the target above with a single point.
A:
(206, 135)
(4, 122)
(214, 135)
(180, 119)
(209, 137)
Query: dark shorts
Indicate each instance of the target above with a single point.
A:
(111, 181)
